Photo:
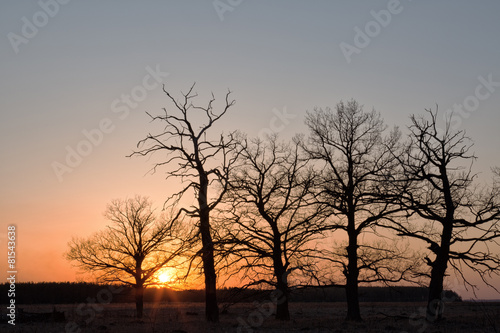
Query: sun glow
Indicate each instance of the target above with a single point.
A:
(164, 277)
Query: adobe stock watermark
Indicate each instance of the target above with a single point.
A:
(224, 6)
(278, 123)
(95, 136)
(422, 317)
(261, 312)
(30, 27)
(373, 28)
(470, 104)
(92, 306)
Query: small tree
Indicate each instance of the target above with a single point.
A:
(356, 166)
(275, 220)
(202, 163)
(458, 220)
(133, 248)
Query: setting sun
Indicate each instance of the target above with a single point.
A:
(165, 276)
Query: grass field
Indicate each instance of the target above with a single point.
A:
(257, 317)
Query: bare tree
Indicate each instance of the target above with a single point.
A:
(356, 166)
(275, 220)
(201, 164)
(458, 220)
(133, 248)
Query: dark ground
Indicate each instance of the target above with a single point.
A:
(256, 317)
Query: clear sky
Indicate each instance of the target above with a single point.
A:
(72, 67)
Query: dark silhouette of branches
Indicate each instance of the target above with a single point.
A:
(356, 169)
(201, 163)
(458, 220)
(275, 219)
(132, 248)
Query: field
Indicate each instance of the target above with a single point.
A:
(306, 317)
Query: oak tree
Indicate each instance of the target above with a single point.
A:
(447, 209)
(133, 248)
(201, 160)
(274, 221)
(355, 166)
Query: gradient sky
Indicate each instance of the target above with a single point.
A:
(275, 56)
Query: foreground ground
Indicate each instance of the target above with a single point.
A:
(256, 317)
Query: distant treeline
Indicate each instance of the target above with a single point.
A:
(68, 293)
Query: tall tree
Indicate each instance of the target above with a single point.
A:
(356, 163)
(133, 248)
(458, 220)
(201, 163)
(275, 219)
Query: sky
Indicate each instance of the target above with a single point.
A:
(78, 76)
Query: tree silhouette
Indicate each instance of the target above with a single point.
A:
(133, 248)
(356, 165)
(458, 220)
(275, 219)
(201, 164)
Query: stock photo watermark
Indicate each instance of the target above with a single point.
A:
(11, 273)
(92, 306)
(95, 136)
(223, 6)
(373, 28)
(425, 315)
(31, 26)
(261, 312)
(278, 123)
(470, 104)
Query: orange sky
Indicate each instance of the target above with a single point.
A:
(40, 246)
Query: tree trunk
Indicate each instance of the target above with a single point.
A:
(282, 312)
(435, 304)
(139, 287)
(139, 300)
(211, 307)
(352, 295)
(352, 274)
(434, 301)
(280, 273)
